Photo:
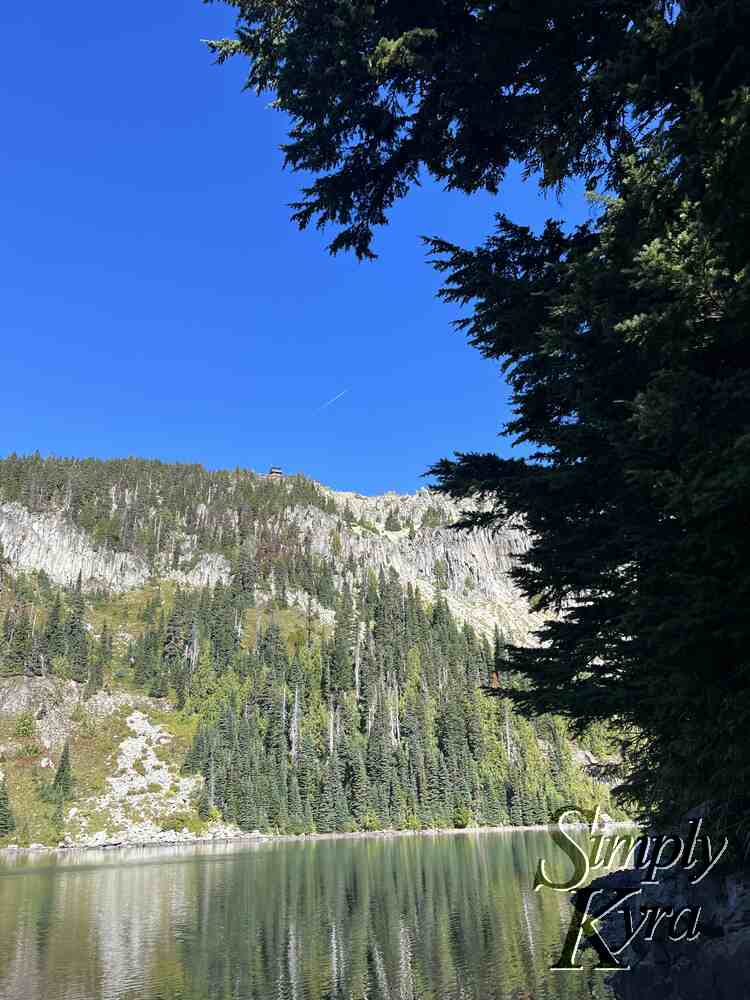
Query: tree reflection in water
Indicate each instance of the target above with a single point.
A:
(406, 918)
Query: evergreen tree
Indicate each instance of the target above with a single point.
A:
(17, 634)
(54, 632)
(96, 677)
(342, 664)
(4, 563)
(77, 639)
(204, 803)
(62, 784)
(7, 819)
(623, 339)
(101, 657)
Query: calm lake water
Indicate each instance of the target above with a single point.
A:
(434, 918)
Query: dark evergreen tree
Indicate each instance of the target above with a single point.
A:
(17, 645)
(623, 339)
(54, 631)
(62, 784)
(77, 640)
(7, 819)
(342, 659)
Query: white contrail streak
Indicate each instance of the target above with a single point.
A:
(333, 400)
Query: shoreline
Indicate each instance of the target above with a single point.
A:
(255, 837)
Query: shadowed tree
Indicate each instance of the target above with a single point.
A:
(624, 340)
(7, 819)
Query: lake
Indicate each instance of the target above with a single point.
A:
(449, 917)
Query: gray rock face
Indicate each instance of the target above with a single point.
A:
(52, 704)
(48, 542)
(474, 566)
(716, 964)
(51, 543)
(211, 568)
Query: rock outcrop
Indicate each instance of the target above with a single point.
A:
(716, 964)
(146, 801)
(53, 702)
(49, 542)
(471, 568)
(210, 568)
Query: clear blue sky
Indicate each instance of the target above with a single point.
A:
(156, 299)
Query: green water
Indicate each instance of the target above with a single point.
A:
(444, 918)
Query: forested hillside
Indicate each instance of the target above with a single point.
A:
(312, 691)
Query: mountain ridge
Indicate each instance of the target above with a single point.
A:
(476, 564)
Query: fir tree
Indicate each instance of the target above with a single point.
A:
(77, 639)
(54, 632)
(7, 819)
(62, 784)
(342, 666)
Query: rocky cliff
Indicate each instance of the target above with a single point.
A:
(472, 569)
(49, 542)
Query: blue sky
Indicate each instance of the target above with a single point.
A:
(156, 299)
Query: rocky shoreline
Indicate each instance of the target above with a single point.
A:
(714, 963)
(223, 835)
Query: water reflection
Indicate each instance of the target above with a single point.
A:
(443, 918)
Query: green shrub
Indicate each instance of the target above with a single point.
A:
(462, 817)
(24, 727)
(182, 819)
(392, 522)
(370, 822)
(88, 726)
(433, 517)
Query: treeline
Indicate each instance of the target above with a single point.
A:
(378, 722)
(380, 725)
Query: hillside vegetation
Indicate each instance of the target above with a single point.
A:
(305, 692)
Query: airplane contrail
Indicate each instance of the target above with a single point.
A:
(333, 400)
